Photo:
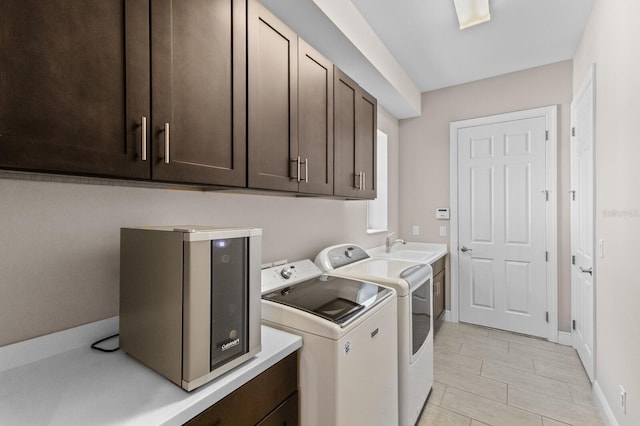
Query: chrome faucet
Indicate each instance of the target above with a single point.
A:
(389, 244)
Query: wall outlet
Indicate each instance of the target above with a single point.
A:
(443, 231)
(623, 400)
(416, 230)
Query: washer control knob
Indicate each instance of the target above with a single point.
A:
(348, 253)
(286, 272)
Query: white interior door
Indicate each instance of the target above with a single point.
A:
(582, 238)
(502, 270)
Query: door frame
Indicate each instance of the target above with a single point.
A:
(589, 83)
(550, 113)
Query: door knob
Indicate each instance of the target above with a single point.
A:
(587, 271)
(465, 249)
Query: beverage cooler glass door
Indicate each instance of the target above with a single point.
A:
(229, 299)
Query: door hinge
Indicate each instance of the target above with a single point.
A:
(546, 194)
(573, 259)
(573, 325)
(546, 135)
(573, 131)
(547, 316)
(546, 256)
(573, 195)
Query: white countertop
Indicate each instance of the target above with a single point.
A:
(86, 387)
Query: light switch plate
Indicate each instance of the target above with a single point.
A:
(443, 231)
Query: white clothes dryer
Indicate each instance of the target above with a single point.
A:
(348, 360)
(413, 284)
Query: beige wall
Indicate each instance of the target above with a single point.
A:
(611, 42)
(424, 153)
(59, 241)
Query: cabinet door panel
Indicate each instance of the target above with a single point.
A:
(315, 126)
(366, 136)
(253, 401)
(438, 300)
(273, 102)
(64, 66)
(287, 414)
(198, 70)
(345, 95)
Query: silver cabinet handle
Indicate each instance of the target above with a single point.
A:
(357, 178)
(143, 140)
(364, 181)
(306, 170)
(361, 180)
(166, 143)
(587, 271)
(297, 176)
(465, 249)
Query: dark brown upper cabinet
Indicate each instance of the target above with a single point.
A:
(273, 102)
(64, 66)
(315, 121)
(290, 109)
(198, 74)
(355, 121)
(76, 89)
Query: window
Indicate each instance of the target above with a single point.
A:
(377, 209)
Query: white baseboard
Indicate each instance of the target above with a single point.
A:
(32, 350)
(447, 315)
(605, 409)
(564, 338)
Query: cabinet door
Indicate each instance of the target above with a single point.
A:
(438, 297)
(355, 115)
(315, 115)
(287, 414)
(366, 138)
(198, 91)
(275, 389)
(273, 102)
(64, 66)
(346, 177)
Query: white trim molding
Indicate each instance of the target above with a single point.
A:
(602, 403)
(564, 338)
(550, 114)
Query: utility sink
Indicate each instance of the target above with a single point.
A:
(420, 252)
(403, 254)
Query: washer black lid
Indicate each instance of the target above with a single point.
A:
(339, 300)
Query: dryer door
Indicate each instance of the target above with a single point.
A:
(421, 313)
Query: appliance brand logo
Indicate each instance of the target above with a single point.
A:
(230, 344)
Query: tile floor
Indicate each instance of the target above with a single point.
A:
(491, 377)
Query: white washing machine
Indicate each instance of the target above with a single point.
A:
(348, 360)
(413, 284)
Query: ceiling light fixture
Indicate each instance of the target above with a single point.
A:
(472, 12)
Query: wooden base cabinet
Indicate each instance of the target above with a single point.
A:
(355, 121)
(438, 287)
(270, 399)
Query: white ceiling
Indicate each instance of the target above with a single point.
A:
(417, 46)
(424, 37)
